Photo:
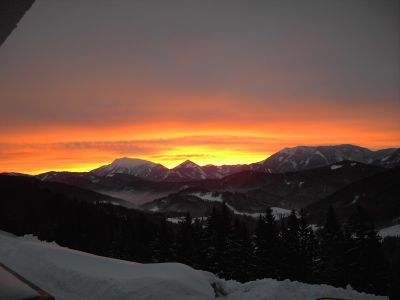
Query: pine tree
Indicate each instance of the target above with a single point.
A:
(198, 240)
(307, 251)
(185, 242)
(239, 253)
(163, 243)
(291, 247)
(266, 246)
(205, 252)
(367, 268)
(331, 265)
(221, 241)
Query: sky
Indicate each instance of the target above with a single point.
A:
(220, 82)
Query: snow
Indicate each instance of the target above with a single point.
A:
(278, 212)
(187, 164)
(176, 220)
(108, 202)
(208, 197)
(184, 187)
(270, 289)
(75, 275)
(131, 162)
(45, 177)
(356, 197)
(155, 209)
(385, 158)
(390, 231)
(320, 154)
(125, 165)
(334, 167)
(314, 227)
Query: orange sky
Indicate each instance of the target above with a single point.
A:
(80, 149)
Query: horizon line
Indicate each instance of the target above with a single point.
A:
(102, 164)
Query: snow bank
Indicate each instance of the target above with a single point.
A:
(270, 289)
(390, 231)
(276, 290)
(75, 275)
(334, 167)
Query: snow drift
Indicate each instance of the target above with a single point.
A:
(74, 275)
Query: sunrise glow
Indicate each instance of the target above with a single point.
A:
(71, 149)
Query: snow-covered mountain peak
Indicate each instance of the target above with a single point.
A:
(133, 166)
(131, 162)
(308, 157)
(291, 150)
(187, 164)
(187, 170)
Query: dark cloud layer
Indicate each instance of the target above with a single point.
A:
(127, 61)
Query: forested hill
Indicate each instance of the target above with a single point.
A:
(337, 255)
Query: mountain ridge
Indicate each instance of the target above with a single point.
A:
(376, 194)
(286, 160)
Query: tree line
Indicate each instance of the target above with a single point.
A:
(283, 249)
(222, 243)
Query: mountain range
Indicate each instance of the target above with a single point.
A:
(286, 160)
(251, 192)
(313, 178)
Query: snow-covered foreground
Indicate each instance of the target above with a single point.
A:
(72, 275)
